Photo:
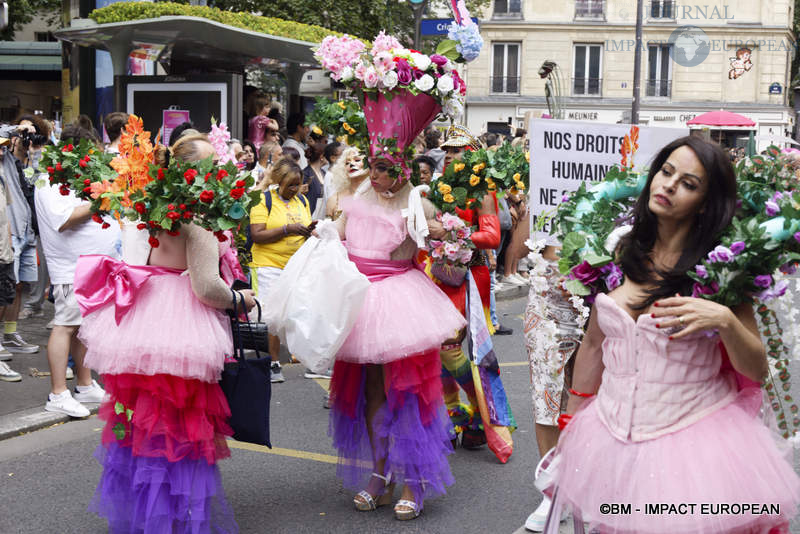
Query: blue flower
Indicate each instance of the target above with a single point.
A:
(469, 40)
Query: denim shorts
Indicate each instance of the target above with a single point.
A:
(25, 269)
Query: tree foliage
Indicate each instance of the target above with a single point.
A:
(362, 18)
(21, 12)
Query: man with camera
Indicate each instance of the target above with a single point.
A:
(27, 140)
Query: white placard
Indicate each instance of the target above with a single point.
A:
(565, 154)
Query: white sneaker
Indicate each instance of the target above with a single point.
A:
(4, 354)
(522, 281)
(510, 280)
(70, 373)
(90, 393)
(64, 403)
(7, 374)
(537, 520)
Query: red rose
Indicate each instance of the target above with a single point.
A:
(222, 173)
(64, 190)
(153, 242)
(171, 207)
(140, 207)
(51, 170)
(141, 226)
(221, 237)
(87, 182)
(188, 214)
(189, 176)
(96, 218)
(240, 183)
(173, 232)
(105, 225)
(87, 190)
(83, 163)
(160, 174)
(67, 148)
(182, 207)
(207, 196)
(174, 215)
(59, 167)
(237, 192)
(78, 175)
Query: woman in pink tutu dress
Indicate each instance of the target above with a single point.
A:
(159, 338)
(388, 417)
(666, 423)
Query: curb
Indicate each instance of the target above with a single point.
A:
(512, 292)
(25, 421)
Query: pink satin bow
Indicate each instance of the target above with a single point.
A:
(100, 280)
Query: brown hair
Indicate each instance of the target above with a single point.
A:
(186, 148)
(256, 103)
(285, 168)
(114, 123)
(266, 149)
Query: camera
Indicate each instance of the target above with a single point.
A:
(28, 138)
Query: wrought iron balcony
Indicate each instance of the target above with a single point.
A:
(505, 84)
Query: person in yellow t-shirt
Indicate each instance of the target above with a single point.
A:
(278, 230)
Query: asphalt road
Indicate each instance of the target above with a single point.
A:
(49, 476)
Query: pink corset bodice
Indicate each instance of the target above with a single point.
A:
(372, 232)
(652, 386)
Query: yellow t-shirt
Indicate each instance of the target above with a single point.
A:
(277, 254)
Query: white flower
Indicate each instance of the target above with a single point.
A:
(425, 83)
(346, 74)
(401, 52)
(389, 79)
(445, 84)
(453, 108)
(421, 61)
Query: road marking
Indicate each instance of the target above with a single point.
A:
(317, 457)
(513, 364)
(324, 383)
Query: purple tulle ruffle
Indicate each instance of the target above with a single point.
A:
(416, 453)
(156, 496)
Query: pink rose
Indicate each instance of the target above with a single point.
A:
(371, 77)
(585, 273)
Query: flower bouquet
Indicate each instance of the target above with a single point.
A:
(451, 256)
(389, 68)
(343, 119)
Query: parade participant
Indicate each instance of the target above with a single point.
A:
(348, 173)
(159, 339)
(279, 225)
(456, 368)
(665, 421)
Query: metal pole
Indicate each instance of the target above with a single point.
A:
(418, 7)
(637, 64)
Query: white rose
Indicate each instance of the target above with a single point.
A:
(390, 79)
(346, 75)
(453, 108)
(425, 83)
(421, 61)
(445, 84)
(401, 52)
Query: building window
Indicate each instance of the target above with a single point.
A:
(659, 73)
(589, 8)
(662, 9)
(505, 68)
(508, 8)
(44, 37)
(586, 74)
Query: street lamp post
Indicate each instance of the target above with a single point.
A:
(637, 65)
(418, 6)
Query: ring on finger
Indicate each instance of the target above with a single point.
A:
(680, 319)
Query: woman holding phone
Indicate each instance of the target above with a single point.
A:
(279, 225)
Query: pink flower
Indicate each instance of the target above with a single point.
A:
(384, 62)
(778, 290)
(771, 208)
(439, 60)
(450, 221)
(371, 77)
(403, 72)
(384, 43)
(465, 255)
(613, 274)
(360, 71)
(585, 273)
(699, 289)
(738, 247)
(336, 53)
(451, 250)
(763, 281)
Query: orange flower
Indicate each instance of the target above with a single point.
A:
(136, 155)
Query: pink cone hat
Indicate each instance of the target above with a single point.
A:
(402, 118)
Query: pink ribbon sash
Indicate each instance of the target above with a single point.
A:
(100, 280)
(377, 270)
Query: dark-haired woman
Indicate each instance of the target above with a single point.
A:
(665, 422)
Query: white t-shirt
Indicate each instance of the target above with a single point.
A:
(62, 249)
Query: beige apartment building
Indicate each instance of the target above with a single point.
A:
(697, 56)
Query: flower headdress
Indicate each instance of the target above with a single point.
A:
(401, 91)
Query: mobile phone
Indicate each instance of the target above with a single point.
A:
(269, 161)
(240, 284)
(312, 225)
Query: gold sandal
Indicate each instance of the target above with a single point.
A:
(411, 511)
(364, 502)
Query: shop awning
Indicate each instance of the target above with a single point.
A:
(188, 39)
(721, 118)
(30, 56)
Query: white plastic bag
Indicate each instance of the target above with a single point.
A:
(316, 300)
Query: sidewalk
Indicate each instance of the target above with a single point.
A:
(22, 403)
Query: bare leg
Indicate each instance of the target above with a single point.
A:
(546, 437)
(58, 347)
(376, 397)
(11, 313)
(78, 351)
(274, 344)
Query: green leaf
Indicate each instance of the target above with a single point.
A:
(119, 431)
(577, 288)
(573, 241)
(225, 224)
(129, 414)
(563, 265)
(596, 260)
(460, 194)
(119, 408)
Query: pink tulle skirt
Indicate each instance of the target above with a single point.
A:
(727, 458)
(167, 331)
(402, 315)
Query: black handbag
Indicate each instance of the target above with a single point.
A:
(247, 386)
(254, 337)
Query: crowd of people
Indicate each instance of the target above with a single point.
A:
(667, 410)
